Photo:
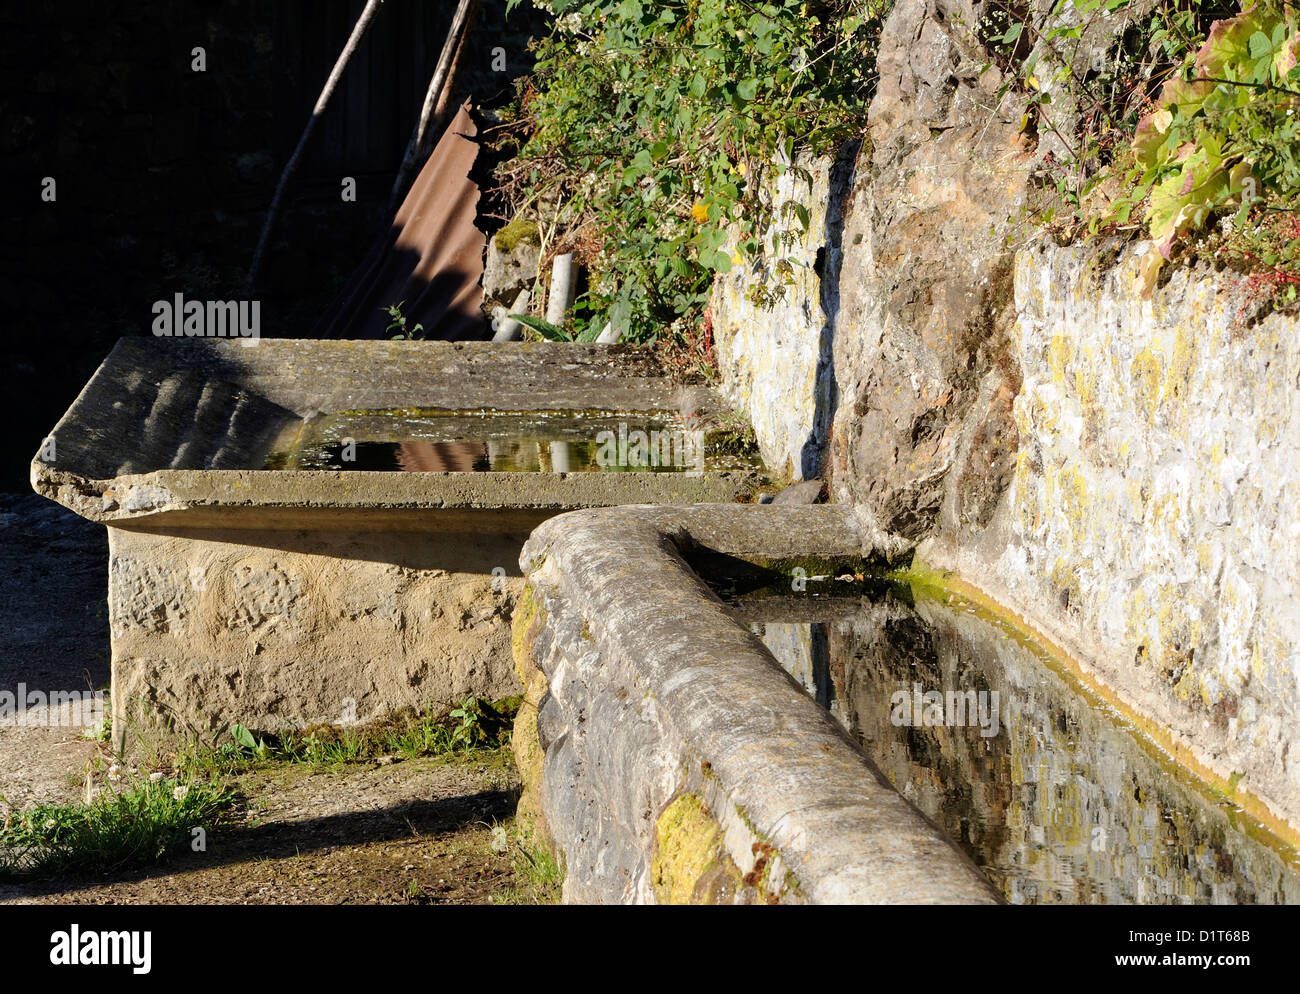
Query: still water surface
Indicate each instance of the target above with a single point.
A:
(1044, 786)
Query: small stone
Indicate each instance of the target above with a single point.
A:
(808, 492)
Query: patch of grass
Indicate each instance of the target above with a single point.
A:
(103, 732)
(118, 830)
(539, 876)
(735, 437)
(416, 894)
(474, 724)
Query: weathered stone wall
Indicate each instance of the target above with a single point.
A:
(1154, 503)
(289, 629)
(924, 422)
(772, 329)
(1117, 471)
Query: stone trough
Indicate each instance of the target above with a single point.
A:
(265, 566)
(664, 752)
(772, 704)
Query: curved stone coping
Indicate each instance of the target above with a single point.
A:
(781, 762)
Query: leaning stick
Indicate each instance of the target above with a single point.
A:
(436, 84)
(358, 30)
(443, 110)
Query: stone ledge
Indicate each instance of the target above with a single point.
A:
(657, 691)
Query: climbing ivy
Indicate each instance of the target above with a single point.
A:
(648, 130)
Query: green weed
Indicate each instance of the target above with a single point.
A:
(473, 724)
(138, 827)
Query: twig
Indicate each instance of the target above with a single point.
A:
(440, 73)
(1253, 86)
(358, 30)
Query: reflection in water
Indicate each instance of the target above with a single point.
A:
(1061, 804)
(500, 443)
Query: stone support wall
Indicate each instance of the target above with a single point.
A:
(274, 629)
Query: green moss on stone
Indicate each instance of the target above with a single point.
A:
(518, 230)
(691, 864)
(529, 617)
(528, 611)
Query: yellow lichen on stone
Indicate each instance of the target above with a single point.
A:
(1182, 362)
(1058, 358)
(1145, 375)
(1085, 383)
(691, 864)
(528, 758)
(523, 740)
(1204, 557)
(1065, 577)
(527, 611)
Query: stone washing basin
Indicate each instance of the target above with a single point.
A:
(263, 572)
(733, 704)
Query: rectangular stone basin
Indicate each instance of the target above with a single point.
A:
(320, 531)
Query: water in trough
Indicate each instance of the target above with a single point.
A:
(1045, 786)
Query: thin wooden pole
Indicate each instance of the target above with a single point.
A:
(443, 110)
(440, 74)
(358, 30)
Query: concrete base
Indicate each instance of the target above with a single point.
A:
(277, 629)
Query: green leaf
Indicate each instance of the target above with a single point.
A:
(543, 328)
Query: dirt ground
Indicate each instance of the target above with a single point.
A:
(53, 637)
(414, 832)
(420, 831)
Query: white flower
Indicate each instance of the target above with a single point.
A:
(51, 824)
(155, 777)
(180, 792)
